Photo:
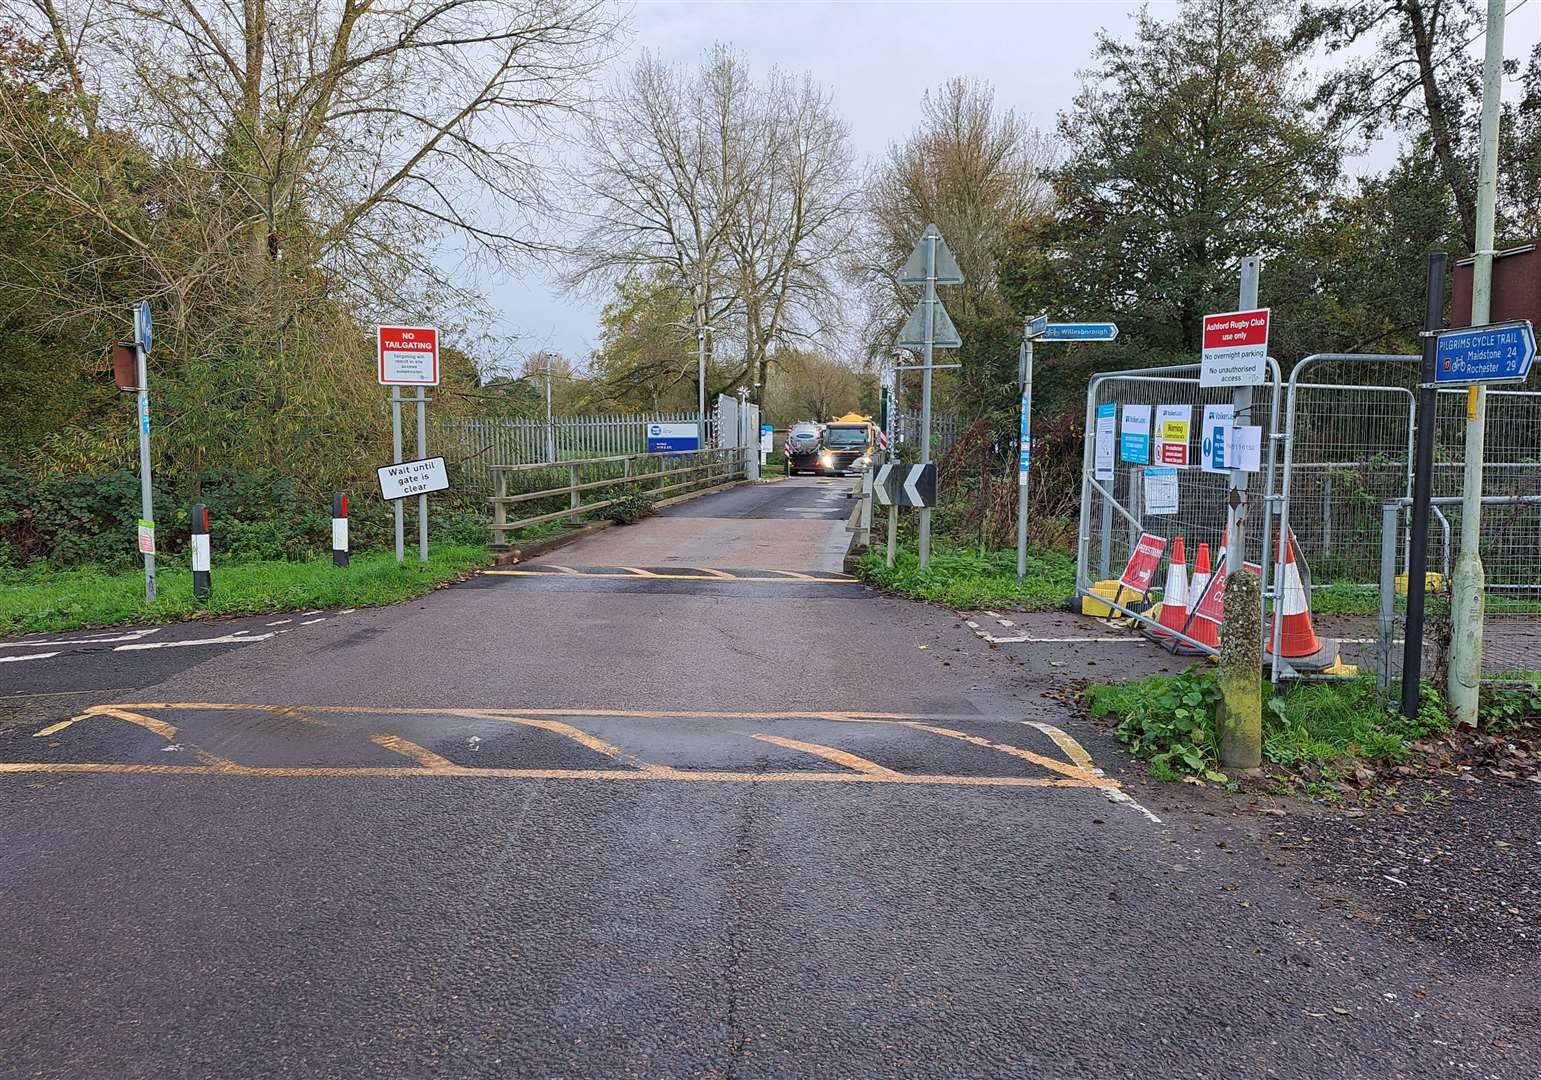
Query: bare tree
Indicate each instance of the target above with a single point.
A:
(793, 230)
(972, 169)
(737, 194)
(352, 136)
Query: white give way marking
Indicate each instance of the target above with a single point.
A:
(240, 637)
(30, 656)
(95, 639)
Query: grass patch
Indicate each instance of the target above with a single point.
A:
(1170, 721)
(72, 599)
(966, 579)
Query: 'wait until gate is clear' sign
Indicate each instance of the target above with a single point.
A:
(409, 478)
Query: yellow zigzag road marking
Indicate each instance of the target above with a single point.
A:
(1072, 771)
(1080, 773)
(407, 748)
(829, 753)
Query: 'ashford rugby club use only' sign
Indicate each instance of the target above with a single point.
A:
(1235, 348)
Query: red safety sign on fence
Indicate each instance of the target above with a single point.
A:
(1211, 606)
(1143, 563)
(1235, 349)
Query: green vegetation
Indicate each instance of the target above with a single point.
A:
(630, 507)
(51, 600)
(1170, 721)
(969, 579)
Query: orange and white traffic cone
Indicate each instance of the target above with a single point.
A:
(1199, 628)
(1174, 598)
(1297, 640)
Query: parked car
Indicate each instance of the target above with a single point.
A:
(804, 447)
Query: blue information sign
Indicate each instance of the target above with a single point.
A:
(1025, 443)
(1502, 352)
(1090, 331)
(662, 438)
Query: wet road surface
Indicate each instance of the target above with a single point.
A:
(621, 815)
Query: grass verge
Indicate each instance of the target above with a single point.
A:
(965, 579)
(74, 599)
(1170, 721)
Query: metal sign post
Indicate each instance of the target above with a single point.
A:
(1423, 477)
(930, 241)
(409, 356)
(143, 338)
(422, 452)
(1024, 445)
(1469, 582)
(1241, 403)
(1040, 328)
(401, 529)
(929, 326)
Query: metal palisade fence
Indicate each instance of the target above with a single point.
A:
(477, 445)
(945, 430)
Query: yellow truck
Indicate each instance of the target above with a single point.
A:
(849, 442)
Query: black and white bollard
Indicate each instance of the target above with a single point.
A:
(339, 529)
(200, 544)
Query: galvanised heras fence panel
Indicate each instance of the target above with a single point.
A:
(1114, 510)
(1511, 520)
(1348, 434)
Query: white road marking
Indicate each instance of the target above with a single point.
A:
(132, 635)
(313, 622)
(280, 622)
(69, 693)
(347, 611)
(240, 637)
(29, 656)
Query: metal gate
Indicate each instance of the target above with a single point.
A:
(1346, 487)
(1112, 515)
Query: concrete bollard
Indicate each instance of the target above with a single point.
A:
(1240, 714)
(199, 516)
(340, 529)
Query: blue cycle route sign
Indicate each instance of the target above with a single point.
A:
(143, 326)
(1089, 331)
(1502, 352)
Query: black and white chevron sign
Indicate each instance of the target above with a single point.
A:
(905, 485)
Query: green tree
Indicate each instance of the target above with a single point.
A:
(1187, 148)
(646, 358)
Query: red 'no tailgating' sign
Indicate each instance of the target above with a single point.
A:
(409, 355)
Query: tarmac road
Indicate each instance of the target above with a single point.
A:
(620, 816)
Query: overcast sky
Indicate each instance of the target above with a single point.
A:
(877, 58)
